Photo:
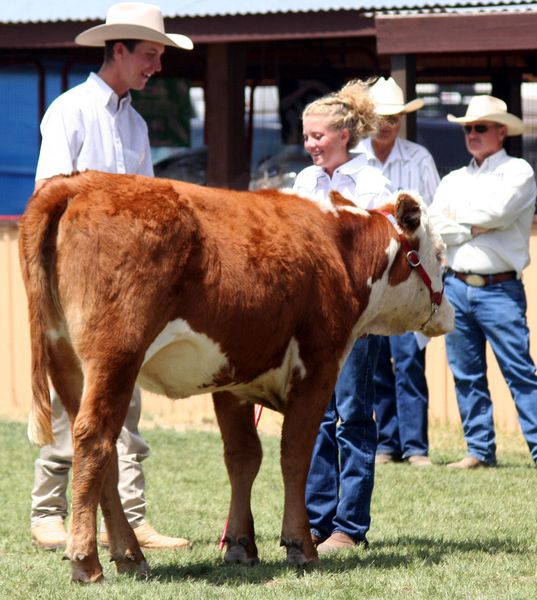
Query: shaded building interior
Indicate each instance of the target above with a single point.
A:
(305, 55)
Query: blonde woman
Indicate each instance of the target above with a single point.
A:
(332, 127)
(340, 481)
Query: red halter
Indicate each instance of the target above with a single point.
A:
(414, 261)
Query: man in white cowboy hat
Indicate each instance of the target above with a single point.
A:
(94, 126)
(401, 394)
(484, 213)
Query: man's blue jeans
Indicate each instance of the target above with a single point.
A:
(401, 397)
(341, 476)
(497, 314)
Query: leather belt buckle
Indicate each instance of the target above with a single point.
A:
(475, 280)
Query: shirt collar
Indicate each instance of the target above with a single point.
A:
(366, 147)
(109, 98)
(490, 163)
(350, 169)
(396, 153)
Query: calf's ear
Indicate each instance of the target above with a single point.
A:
(407, 212)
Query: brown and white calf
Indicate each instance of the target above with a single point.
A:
(256, 297)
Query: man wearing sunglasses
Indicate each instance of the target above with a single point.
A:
(484, 213)
(401, 394)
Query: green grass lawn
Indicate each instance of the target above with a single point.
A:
(435, 533)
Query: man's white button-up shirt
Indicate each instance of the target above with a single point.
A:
(409, 167)
(498, 195)
(89, 127)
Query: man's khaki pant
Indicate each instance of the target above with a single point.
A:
(49, 494)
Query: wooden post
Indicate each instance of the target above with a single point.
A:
(506, 84)
(224, 116)
(403, 68)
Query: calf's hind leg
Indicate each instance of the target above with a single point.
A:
(95, 431)
(124, 548)
(242, 455)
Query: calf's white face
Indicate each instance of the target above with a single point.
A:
(408, 305)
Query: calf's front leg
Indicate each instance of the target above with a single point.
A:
(242, 455)
(301, 422)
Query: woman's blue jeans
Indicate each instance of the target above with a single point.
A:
(341, 477)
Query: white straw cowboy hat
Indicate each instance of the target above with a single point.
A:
(389, 99)
(133, 21)
(489, 108)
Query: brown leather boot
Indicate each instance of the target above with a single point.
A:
(152, 540)
(468, 462)
(50, 535)
(337, 541)
(384, 459)
(419, 460)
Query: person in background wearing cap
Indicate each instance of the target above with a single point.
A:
(484, 213)
(94, 126)
(401, 394)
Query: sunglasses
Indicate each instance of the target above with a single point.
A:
(477, 128)
(391, 120)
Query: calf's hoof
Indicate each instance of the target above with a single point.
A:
(241, 551)
(85, 566)
(83, 572)
(131, 563)
(127, 565)
(296, 555)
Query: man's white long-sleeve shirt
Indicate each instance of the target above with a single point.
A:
(409, 167)
(90, 127)
(498, 195)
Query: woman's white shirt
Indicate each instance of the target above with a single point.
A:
(354, 180)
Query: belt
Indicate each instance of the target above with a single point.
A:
(480, 280)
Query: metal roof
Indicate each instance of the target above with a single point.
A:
(34, 11)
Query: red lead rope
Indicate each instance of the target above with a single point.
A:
(413, 259)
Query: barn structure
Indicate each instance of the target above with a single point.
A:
(304, 47)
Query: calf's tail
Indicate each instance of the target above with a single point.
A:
(37, 250)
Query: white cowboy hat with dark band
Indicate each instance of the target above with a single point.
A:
(489, 108)
(133, 21)
(389, 99)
